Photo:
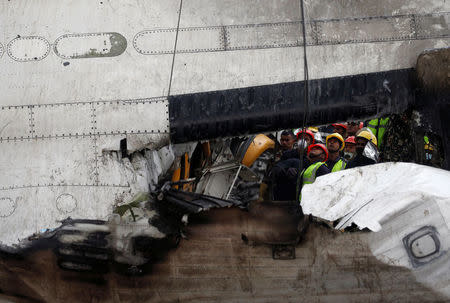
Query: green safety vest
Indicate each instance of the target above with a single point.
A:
(309, 175)
(339, 165)
(378, 128)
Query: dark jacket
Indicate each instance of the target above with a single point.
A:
(360, 160)
(284, 176)
(331, 163)
(323, 170)
(290, 154)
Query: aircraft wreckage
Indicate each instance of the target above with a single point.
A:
(132, 165)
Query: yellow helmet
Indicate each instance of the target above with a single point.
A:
(337, 136)
(367, 135)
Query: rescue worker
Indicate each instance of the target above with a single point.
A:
(353, 128)
(317, 155)
(335, 144)
(287, 140)
(307, 135)
(306, 138)
(340, 128)
(350, 148)
(378, 128)
(284, 176)
(362, 138)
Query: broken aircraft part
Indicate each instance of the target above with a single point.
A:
(62, 125)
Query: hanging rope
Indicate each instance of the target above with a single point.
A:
(305, 68)
(305, 96)
(175, 48)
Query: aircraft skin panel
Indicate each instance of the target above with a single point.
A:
(146, 116)
(60, 120)
(53, 81)
(27, 210)
(235, 12)
(214, 71)
(354, 8)
(201, 12)
(84, 120)
(15, 122)
(56, 79)
(137, 73)
(48, 161)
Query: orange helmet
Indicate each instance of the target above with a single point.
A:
(319, 145)
(307, 132)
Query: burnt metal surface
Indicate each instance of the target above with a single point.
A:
(182, 202)
(281, 106)
(433, 95)
(215, 265)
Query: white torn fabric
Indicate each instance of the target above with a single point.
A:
(371, 195)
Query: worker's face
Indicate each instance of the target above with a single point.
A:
(333, 145)
(360, 145)
(340, 130)
(316, 155)
(350, 148)
(287, 142)
(308, 140)
(352, 128)
(349, 151)
(306, 137)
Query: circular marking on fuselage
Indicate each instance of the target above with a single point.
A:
(30, 48)
(66, 203)
(7, 207)
(90, 45)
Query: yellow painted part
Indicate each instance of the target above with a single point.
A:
(313, 129)
(176, 177)
(187, 166)
(260, 144)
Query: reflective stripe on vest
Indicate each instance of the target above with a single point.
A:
(310, 173)
(373, 126)
(308, 176)
(339, 165)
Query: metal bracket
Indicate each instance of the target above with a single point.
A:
(283, 252)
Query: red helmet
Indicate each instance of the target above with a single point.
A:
(307, 132)
(319, 145)
(350, 139)
(344, 126)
